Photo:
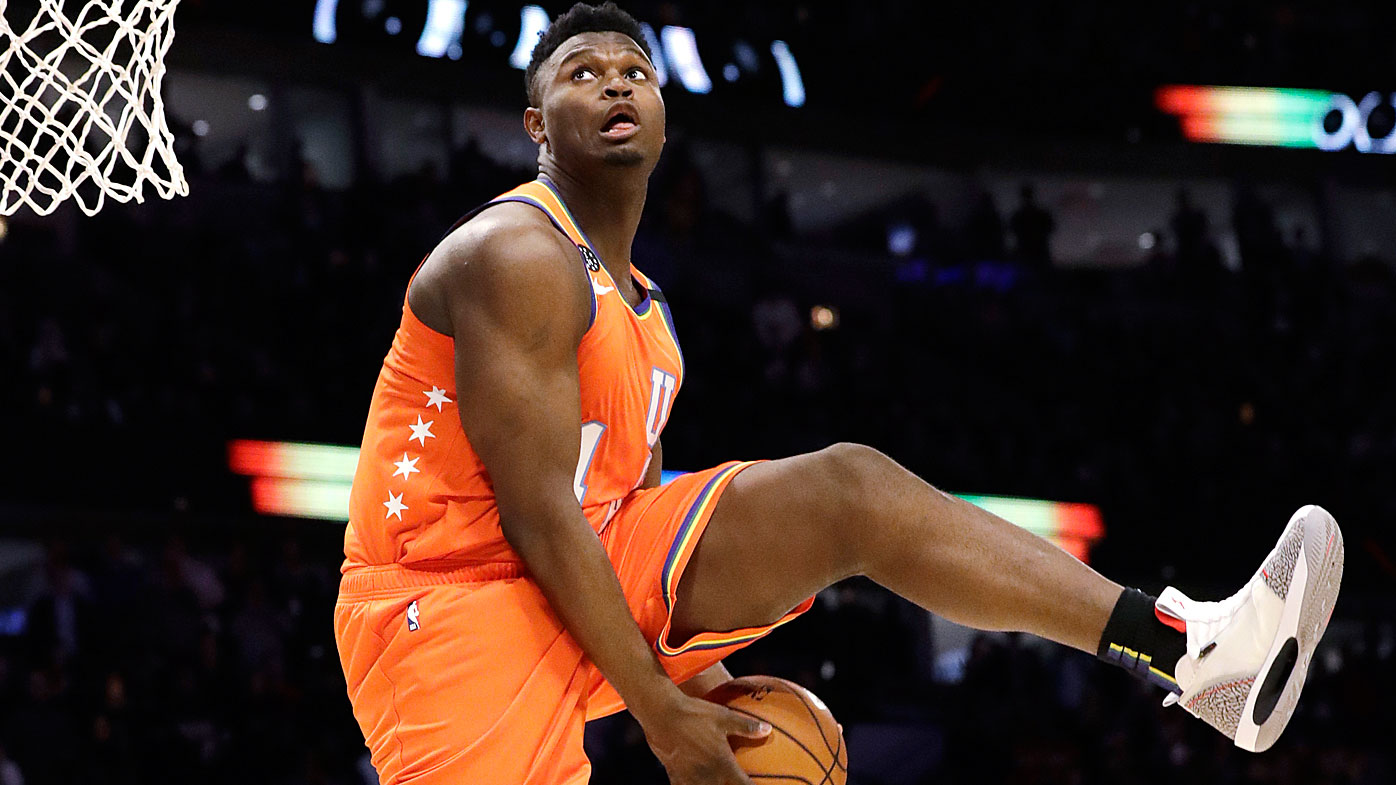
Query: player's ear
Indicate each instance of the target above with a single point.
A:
(533, 124)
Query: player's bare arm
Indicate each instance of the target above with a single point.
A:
(518, 307)
(707, 681)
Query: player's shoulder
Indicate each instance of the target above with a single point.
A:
(509, 258)
(507, 240)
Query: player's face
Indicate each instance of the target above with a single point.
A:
(600, 101)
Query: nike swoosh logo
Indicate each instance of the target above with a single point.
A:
(599, 289)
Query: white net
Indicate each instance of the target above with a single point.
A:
(81, 115)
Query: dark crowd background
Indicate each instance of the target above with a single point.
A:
(167, 633)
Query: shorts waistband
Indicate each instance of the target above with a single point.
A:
(387, 577)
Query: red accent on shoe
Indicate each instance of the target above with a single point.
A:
(1171, 621)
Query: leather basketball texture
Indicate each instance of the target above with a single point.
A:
(806, 742)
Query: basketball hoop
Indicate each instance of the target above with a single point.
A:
(81, 114)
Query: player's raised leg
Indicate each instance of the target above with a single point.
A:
(786, 529)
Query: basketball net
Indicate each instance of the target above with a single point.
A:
(81, 115)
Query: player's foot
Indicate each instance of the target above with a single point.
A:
(1248, 655)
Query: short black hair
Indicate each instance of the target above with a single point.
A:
(582, 18)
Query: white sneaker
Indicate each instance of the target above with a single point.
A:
(1248, 655)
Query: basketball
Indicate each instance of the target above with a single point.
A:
(805, 744)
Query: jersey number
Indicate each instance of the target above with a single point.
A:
(591, 437)
(662, 386)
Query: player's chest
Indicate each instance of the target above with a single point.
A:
(629, 366)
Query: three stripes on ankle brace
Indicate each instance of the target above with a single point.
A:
(1140, 642)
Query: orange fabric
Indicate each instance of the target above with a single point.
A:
(489, 688)
(650, 541)
(420, 492)
(457, 668)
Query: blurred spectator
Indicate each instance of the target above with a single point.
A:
(1257, 236)
(1032, 228)
(235, 170)
(9, 770)
(1198, 260)
(193, 574)
(259, 631)
(61, 617)
(775, 216)
(984, 230)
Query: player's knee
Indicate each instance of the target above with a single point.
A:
(859, 482)
(853, 474)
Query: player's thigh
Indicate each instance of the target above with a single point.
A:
(782, 531)
(465, 683)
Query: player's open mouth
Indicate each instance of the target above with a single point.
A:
(619, 127)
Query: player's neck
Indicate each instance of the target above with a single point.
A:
(608, 210)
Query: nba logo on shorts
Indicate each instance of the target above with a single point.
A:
(589, 256)
(413, 624)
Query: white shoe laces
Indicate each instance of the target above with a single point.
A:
(1205, 620)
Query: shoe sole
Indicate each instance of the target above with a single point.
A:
(1306, 569)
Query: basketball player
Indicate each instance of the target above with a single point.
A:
(513, 567)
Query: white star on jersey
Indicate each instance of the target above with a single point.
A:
(406, 467)
(394, 505)
(422, 430)
(436, 397)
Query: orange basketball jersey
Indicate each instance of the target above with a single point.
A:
(420, 492)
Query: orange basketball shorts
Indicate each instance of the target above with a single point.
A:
(466, 675)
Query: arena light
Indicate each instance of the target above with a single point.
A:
(1072, 527)
(13, 621)
(445, 23)
(325, 30)
(327, 501)
(1246, 115)
(293, 460)
(674, 49)
(746, 56)
(533, 21)
(791, 83)
(682, 50)
(1276, 117)
(307, 480)
(1359, 131)
(661, 69)
(296, 479)
(823, 317)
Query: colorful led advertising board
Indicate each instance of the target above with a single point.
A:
(1283, 117)
(302, 480)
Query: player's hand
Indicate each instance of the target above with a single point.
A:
(691, 741)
